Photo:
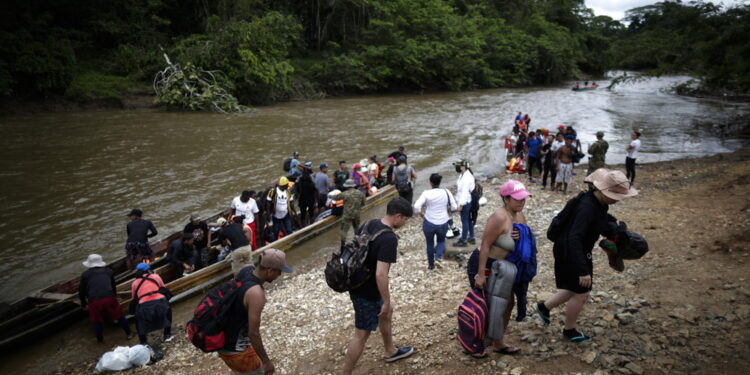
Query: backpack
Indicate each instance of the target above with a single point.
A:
(402, 180)
(347, 270)
(213, 326)
(475, 195)
(472, 321)
(288, 164)
(561, 219)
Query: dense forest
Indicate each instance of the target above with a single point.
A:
(261, 51)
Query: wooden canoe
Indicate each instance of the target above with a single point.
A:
(200, 281)
(58, 305)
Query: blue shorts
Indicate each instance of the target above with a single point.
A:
(366, 313)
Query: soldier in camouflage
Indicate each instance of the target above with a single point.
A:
(354, 200)
(597, 150)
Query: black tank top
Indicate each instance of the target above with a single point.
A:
(239, 325)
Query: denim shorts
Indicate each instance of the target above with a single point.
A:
(366, 313)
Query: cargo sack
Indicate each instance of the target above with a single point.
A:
(287, 164)
(631, 245)
(212, 327)
(347, 270)
(472, 321)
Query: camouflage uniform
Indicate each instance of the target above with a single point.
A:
(353, 202)
(597, 150)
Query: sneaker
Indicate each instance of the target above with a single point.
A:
(400, 353)
(542, 312)
(472, 241)
(576, 336)
(460, 243)
(532, 181)
(168, 338)
(439, 263)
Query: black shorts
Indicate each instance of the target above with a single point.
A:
(566, 277)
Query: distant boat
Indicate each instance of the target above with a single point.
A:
(592, 87)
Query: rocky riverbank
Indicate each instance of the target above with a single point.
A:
(683, 308)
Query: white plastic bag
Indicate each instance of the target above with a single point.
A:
(139, 355)
(116, 360)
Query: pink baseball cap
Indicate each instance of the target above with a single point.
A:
(515, 190)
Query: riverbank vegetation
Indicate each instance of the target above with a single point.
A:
(268, 51)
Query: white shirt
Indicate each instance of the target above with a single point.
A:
(436, 201)
(556, 145)
(249, 209)
(281, 204)
(464, 187)
(636, 145)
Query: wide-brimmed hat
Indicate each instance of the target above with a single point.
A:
(94, 260)
(349, 183)
(613, 184)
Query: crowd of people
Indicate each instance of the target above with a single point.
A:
(502, 266)
(546, 155)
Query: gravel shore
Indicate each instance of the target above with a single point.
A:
(682, 308)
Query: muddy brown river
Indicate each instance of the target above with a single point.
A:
(68, 179)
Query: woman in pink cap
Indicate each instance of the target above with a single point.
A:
(488, 268)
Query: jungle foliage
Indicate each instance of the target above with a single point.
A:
(270, 50)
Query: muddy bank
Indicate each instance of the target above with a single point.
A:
(682, 308)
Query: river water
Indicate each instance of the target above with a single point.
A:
(69, 179)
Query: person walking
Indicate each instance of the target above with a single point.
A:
(487, 268)
(139, 231)
(373, 307)
(404, 177)
(245, 205)
(572, 248)
(532, 149)
(353, 201)
(598, 152)
(549, 165)
(244, 352)
(153, 311)
(97, 292)
(438, 204)
(565, 156)
(632, 149)
(464, 186)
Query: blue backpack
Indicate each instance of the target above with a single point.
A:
(472, 321)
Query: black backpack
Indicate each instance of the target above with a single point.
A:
(475, 195)
(213, 326)
(561, 219)
(402, 180)
(288, 165)
(347, 269)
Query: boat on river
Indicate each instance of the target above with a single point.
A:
(588, 88)
(58, 305)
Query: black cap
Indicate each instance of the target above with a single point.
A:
(187, 236)
(136, 212)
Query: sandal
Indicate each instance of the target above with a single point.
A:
(508, 350)
(480, 355)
